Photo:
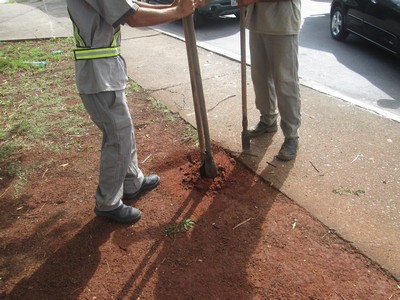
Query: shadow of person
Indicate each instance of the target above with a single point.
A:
(277, 171)
(67, 271)
(211, 260)
(259, 160)
(156, 254)
(258, 148)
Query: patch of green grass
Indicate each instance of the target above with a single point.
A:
(20, 184)
(191, 134)
(133, 87)
(76, 108)
(7, 150)
(182, 226)
(342, 191)
(25, 55)
(33, 96)
(3, 134)
(36, 109)
(22, 174)
(14, 169)
(169, 115)
(156, 103)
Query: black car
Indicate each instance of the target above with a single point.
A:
(214, 9)
(377, 21)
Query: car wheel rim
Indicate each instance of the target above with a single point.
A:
(337, 23)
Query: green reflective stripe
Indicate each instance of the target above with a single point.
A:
(78, 38)
(82, 52)
(94, 53)
(116, 37)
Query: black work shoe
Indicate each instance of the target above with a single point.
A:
(122, 214)
(288, 150)
(149, 183)
(261, 128)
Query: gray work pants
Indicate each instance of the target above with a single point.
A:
(274, 72)
(119, 171)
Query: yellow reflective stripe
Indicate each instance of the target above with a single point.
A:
(88, 53)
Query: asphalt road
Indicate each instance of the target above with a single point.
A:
(353, 70)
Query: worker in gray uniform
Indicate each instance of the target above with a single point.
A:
(101, 78)
(274, 26)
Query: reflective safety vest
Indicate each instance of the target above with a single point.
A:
(82, 52)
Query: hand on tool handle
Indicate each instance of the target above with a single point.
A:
(248, 2)
(151, 14)
(187, 7)
(197, 3)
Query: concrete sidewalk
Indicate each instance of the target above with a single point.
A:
(344, 150)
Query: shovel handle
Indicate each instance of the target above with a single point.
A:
(208, 168)
(197, 86)
(243, 66)
(187, 21)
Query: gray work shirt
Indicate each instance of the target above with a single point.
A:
(98, 21)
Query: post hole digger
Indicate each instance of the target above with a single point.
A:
(208, 167)
(245, 135)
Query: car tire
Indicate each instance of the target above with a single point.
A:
(338, 24)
